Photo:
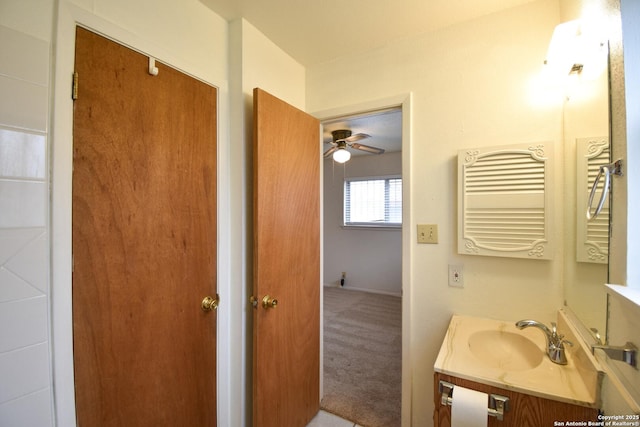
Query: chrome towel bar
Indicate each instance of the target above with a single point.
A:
(498, 405)
(614, 168)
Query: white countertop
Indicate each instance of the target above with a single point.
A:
(578, 382)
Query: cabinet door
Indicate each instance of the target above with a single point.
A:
(524, 410)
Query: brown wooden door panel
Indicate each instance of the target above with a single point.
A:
(144, 241)
(286, 340)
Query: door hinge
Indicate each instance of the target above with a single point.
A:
(74, 86)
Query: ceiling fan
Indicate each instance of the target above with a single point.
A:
(342, 139)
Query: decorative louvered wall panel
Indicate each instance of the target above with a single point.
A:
(503, 202)
(592, 237)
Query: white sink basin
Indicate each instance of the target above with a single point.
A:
(505, 350)
(497, 353)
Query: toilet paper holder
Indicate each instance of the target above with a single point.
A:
(498, 404)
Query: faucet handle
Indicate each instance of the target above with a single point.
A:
(559, 337)
(560, 340)
(555, 336)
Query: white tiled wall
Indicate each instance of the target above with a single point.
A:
(25, 371)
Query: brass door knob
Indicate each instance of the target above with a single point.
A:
(269, 302)
(210, 303)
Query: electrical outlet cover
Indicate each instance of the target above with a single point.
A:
(455, 276)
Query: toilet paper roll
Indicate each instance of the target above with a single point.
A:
(468, 408)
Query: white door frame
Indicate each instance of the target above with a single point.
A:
(61, 163)
(404, 102)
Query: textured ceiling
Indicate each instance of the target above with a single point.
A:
(384, 128)
(313, 31)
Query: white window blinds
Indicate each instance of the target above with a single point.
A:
(373, 201)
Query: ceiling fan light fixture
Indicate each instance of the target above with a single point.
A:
(341, 155)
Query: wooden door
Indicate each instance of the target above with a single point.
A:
(144, 241)
(286, 338)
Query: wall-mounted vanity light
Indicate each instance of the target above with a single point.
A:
(576, 48)
(561, 56)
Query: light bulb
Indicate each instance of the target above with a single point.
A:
(341, 155)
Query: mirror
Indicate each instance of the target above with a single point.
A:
(586, 146)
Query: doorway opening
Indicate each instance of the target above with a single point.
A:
(362, 268)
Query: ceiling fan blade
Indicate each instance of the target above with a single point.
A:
(329, 151)
(357, 137)
(367, 148)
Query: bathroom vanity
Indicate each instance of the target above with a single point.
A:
(524, 387)
(524, 410)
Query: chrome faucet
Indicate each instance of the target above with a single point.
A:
(555, 342)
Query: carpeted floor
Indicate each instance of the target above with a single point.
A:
(362, 356)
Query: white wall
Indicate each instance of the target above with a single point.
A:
(473, 84)
(25, 44)
(371, 258)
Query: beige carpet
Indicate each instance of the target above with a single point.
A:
(362, 356)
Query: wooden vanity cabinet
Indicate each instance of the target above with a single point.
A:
(524, 410)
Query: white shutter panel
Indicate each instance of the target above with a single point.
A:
(504, 201)
(592, 237)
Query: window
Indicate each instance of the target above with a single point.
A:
(373, 202)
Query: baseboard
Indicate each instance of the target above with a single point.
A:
(356, 289)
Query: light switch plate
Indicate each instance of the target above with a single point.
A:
(427, 233)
